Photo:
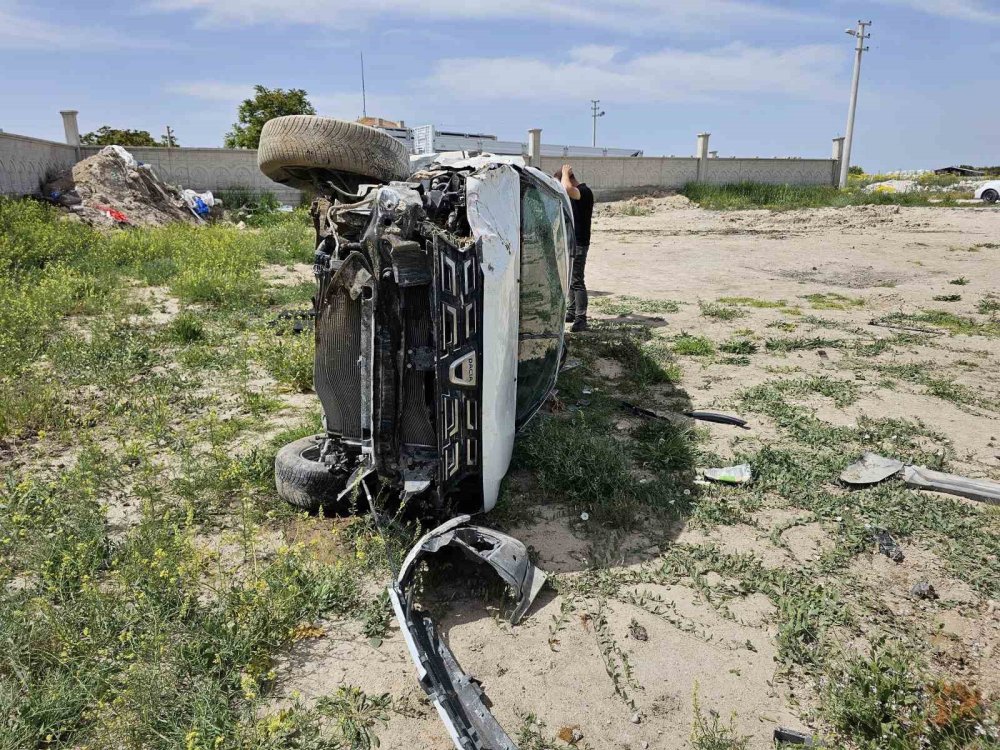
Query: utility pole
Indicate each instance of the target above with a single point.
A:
(859, 49)
(364, 101)
(170, 137)
(595, 112)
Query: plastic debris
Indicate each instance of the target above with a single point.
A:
(739, 474)
(888, 546)
(924, 590)
(795, 737)
(870, 469)
(922, 478)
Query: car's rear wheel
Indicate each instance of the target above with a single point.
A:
(991, 196)
(302, 479)
(294, 148)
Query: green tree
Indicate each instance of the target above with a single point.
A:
(265, 105)
(108, 136)
(855, 169)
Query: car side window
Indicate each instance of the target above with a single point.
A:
(542, 296)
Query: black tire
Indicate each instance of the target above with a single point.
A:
(293, 144)
(991, 196)
(302, 479)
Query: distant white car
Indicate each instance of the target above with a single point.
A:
(989, 192)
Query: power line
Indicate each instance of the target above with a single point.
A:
(859, 50)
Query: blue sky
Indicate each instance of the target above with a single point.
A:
(765, 77)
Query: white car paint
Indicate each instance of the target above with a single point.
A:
(993, 185)
(493, 199)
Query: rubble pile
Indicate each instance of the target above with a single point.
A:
(112, 189)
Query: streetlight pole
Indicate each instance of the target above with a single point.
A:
(595, 112)
(859, 49)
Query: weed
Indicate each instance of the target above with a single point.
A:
(693, 346)
(988, 305)
(186, 328)
(738, 346)
(796, 344)
(746, 195)
(661, 445)
(763, 304)
(626, 305)
(877, 700)
(948, 321)
(711, 734)
(720, 312)
(947, 298)
(960, 281)
(832, 301)
(377, 616)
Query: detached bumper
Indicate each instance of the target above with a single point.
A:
(458, 697)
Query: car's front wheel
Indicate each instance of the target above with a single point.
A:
(991, 196)
(302, 479)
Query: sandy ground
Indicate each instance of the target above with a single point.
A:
(895, 259)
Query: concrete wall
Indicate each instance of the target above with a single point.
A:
(207, 169)
(614, 177)
(26, 162)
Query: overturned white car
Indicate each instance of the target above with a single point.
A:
(439, 319)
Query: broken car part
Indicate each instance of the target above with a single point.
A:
(922, 478)
(458, 697)
(795, 737)
(739, 474)
(711, 416)
(870, 469)
(888, 546)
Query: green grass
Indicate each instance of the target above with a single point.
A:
(720, 312)
(738, 346)
(832, 301)
(747, 195)
(753, 302)
(947, 298)
(626, 305)
(693, 346)
(960, 281)
(948, 321)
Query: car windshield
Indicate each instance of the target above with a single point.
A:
(543, 293)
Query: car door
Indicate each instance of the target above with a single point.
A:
(543, 289)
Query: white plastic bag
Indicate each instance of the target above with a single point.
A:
(122, 154)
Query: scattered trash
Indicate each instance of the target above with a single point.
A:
(739, 474)
(584, 516)
(570, 735)
(888, 546)
(917, 329)
(924, 590)
(711, 416)
(637, 631)
(459, 698)
(870, 469)
(112, 189)
(200, 204)
(795, 737)
(923, 478)
(571, 364)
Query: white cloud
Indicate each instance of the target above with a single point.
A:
(23, 31)
(345, 105)
(623, 16)
(214, 91)
(666, 75)
(979, 11)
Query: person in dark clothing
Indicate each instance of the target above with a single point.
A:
(582, 201)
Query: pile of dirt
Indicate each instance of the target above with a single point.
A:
(111, 189)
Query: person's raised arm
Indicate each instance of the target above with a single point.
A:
(567, 182)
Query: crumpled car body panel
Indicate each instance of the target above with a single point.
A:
(458, 698)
